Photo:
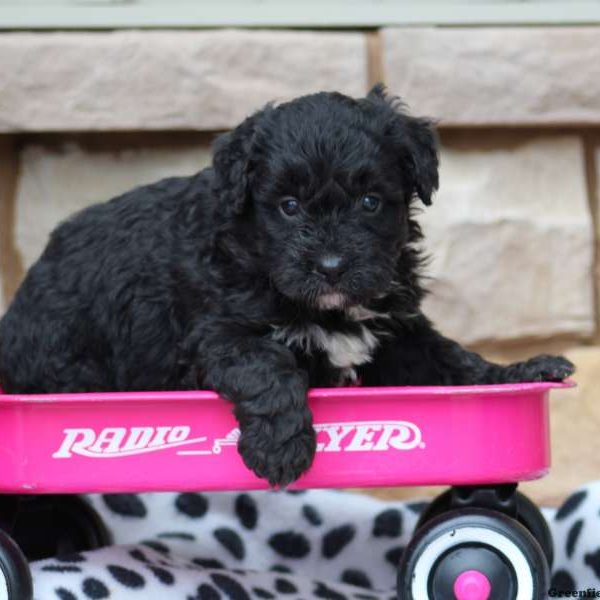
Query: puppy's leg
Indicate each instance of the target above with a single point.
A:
(268, 390)
(418, 355)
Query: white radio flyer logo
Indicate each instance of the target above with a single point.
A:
(117, 442)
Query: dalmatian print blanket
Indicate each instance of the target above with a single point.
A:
(262, 545)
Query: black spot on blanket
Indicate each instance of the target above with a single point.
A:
(570, 505)
(192, 505)
(162, 575)
(262, 593)
(62, 569)
(94, 588)
(137, 554)
(73, 557)
(417, 507)
(230, 587)
(290, 544)
(311, 514)
(357, 578)
(562, 581)
(65, 594)
(323, 591)
(231, 541)
(208, 563)
(393, 555)
(126, 577)
(284, 586)
(592, 559)
(207, 592)
(246, 511)
(177, 535)
(157, 546)
(573, 536)
(388, 523)
(126, 505)
(337, 539)
(280, 569)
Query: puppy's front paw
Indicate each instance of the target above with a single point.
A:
(546, 367)
(279, 449)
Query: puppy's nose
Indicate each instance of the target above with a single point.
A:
(331, 266)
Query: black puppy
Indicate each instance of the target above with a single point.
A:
(291, 262)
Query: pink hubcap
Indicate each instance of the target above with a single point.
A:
(472, 585)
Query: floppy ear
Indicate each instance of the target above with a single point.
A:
(413, 139)
(231, 162)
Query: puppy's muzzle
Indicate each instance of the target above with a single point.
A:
(330, 267)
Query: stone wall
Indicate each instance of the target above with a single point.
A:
(513, 232)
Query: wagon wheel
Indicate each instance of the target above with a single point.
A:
(527, 513)
(15, 577)
(58, 525)
(473, 554)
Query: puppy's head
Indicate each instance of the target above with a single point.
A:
(327, 182)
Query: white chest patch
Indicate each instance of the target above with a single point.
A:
(344, 350)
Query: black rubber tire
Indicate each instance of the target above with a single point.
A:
(49, 526)
(15, 575)
(438, 506)
(528, 514)
(421, 567)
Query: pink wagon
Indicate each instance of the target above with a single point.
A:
(481, 540)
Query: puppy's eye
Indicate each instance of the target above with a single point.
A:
(370, 203)
(289, 207)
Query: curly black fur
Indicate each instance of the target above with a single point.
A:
(205, 281)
